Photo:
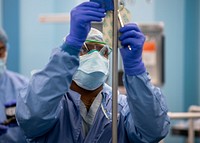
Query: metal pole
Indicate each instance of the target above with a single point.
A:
(191, 131)
(115, 73)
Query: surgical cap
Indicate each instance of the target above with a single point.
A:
(3, 37)
(95, 36)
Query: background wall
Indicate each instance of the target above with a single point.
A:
(141, 10)
(172, 14)
(199, 52)
(1, 12)
(191, 62)
(10, 22)
(37, 39)
(182, 46)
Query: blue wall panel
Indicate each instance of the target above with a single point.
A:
(1, 12)
(199, 53)
(11, 21)
(172, 14)
(37, 39)
(191, 59)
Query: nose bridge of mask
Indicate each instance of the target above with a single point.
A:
(93, 50)
(93, 62)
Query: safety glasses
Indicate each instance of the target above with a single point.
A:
(88, 48)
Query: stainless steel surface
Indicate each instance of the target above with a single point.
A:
(115, 73)
(191, 131)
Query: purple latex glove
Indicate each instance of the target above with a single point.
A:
(132, 59)
(3, 129)
(80, 24)
(10, 104)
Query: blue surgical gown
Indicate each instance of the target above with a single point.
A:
(10, 85)
(49, 111)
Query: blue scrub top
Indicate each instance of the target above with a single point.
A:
(49, 112)
(10, 85)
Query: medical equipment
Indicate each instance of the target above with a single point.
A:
(107, 24)
(121, 20)
(115, 74)
(114, 7)
(191, 115)
(153, 51)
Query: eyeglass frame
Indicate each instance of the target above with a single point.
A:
(97, 46)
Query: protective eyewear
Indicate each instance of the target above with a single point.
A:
(88, 48)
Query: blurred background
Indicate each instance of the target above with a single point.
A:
(31, 42)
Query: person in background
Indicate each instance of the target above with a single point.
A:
(69, 101)
(10, 85)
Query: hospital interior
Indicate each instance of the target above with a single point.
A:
(171, 51)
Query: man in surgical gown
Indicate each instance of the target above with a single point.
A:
(68, 100)
(10, 85)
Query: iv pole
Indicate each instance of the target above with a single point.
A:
(115, 72)
(59, 18)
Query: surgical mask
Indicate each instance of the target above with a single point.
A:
(92, 72)
(2, 66)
